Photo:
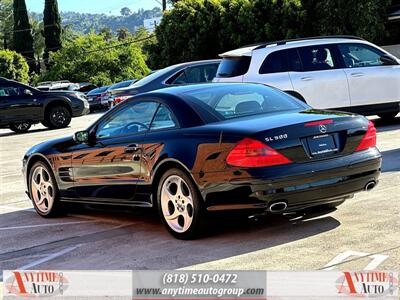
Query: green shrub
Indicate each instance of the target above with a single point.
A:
(13, 66)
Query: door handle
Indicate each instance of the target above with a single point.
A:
(132, 148)
(357, 74)
(306, 78)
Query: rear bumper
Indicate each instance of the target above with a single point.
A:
(80, 108)
(298, 185)
(97, 105)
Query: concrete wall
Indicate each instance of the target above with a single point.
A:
(393, 49)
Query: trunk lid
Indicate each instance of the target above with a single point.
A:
(303, 136)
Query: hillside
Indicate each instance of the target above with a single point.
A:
(85, 22)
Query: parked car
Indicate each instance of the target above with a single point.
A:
(336, 72)
(119, 85)
(22, 105)
(180, 74)
(98, 98)
(207, 147)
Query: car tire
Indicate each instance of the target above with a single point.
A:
(58, 117)
(180, 205)
(44, 191)
(388, 116)
(20, 127)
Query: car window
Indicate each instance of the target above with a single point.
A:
(229, 103)
(10, 91)
(121, 84)
(198, 74)
(317, 58)
(243, 100)
(135, 117)
(275, 62)
(163, 119)
(233, 66)
(294, 60)
(359, 55)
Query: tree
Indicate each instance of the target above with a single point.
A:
(337, 17)
(202, 29)
(123, 33)
(23, 40)
(38, 39)
(125, 11)
(52, 28)
(6, 23)
(13, 66)
(195, 28)
(107, 33)
(91, 58)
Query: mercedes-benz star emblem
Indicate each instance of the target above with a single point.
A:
(322, 128)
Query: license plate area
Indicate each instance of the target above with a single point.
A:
(322, 145)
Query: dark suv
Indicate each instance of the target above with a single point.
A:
(22, 105)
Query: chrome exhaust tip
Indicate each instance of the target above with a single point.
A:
(277, 207)
(370, 185)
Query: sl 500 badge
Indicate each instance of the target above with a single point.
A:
(276, 137)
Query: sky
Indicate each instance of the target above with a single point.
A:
(95, 6)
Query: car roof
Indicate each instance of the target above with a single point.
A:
(6, 79)
(248, 50)
(163, 74)
(99, 89)
(197, 62)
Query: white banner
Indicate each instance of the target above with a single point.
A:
(254, 285)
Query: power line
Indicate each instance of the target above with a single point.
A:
(120, 45)
(92, 51)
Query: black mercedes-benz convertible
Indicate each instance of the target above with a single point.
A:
(196, 149)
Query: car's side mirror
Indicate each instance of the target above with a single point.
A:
(28, 92)
(387, 60)
(82, 137)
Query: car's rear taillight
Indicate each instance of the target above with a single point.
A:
(120, 99)
(369, 139)
(252, 153)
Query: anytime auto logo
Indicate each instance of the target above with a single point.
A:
(367, 284)
(36, 283)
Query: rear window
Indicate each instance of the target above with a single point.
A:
(232, 101)
(122, 84)
(98, 90)
(233, 66)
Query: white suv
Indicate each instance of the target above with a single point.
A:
(335, 72)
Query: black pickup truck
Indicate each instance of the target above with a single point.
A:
(22, 105)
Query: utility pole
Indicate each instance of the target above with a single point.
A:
(164, 5)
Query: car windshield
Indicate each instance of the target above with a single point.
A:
(232, 101)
